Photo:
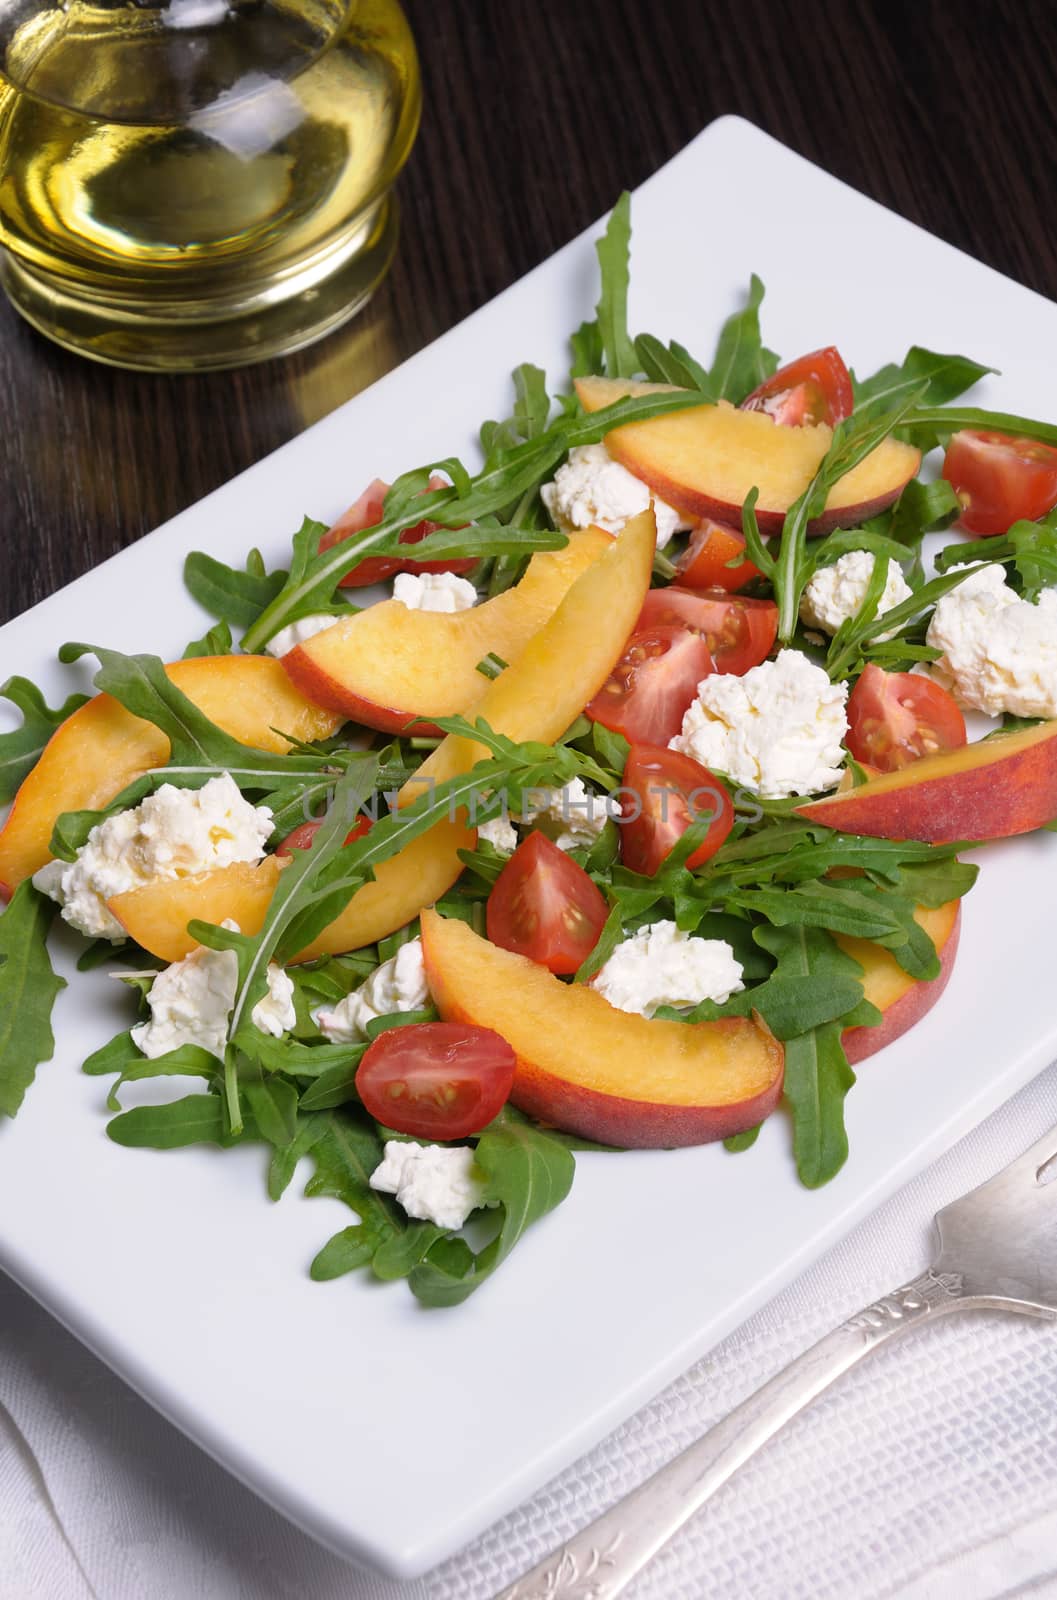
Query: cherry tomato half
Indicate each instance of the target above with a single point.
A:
(302, 836)
(896, 717)
(740, 632)
(703, 564)
(815, 388)
(436, 1080)
(374, 569)
(544, 906)
(1000, 479)
(666, 792)
(652, 684)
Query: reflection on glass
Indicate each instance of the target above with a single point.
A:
(203, 181)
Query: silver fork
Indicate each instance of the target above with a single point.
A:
(997, 1252)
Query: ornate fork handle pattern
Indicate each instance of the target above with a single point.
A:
(600, 1561)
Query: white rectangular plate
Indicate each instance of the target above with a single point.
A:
(396, 1434)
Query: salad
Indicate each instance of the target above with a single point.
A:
(631, 816)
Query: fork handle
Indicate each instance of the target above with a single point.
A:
(600, 1561)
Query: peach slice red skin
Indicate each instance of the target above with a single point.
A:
(991, 789)
(684, 455)
(590, 1069)
(394, 669)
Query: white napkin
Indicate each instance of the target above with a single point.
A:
(928, 1473)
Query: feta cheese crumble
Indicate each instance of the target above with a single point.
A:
(499, 833)
(999, 651)
(660, 966)
(296, 633)
(399, 984)
(190, 1003)
(274, 1012)
(434, 1183)
(836, 592)
(592, 490)
(776, 730)
(573, 816)
(434, 591)
(172, 834)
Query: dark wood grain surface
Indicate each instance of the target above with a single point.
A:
(537, 114)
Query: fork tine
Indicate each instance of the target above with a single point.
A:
(1034, 1159)
(1000, 1240)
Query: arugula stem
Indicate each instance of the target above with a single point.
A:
(950, 418)
(231, 1092)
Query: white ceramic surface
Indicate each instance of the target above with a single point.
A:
(396, 1434)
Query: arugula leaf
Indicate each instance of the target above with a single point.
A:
(923, 508)
(934, 883)
(868, 608)
(346, 1151)
(842, 657)
(28, 988)
(588, 351)
(611, 935)
(196, 1119)
(831, 907)
(1031, 547)
(671, 363)
(334, 1087)
(216, 641)
(817, 1074)
(925, 423)
(529, 1173)
(817, 1081)
(396, 1257)
(532, 407)
(122, 1057)
(940, 379)
(790, 1004)
(198, 748)
(273, 1104)
(399, 1019)
(285, 1158)
(755, 548)
(1034, 546)
(839, 543)
(852, 440)
(612, 310)
(20, 749)
(296, 1058)
(741, 362)
(232, 596)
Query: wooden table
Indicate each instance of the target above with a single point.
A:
(537, 114)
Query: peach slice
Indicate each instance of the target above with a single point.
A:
(902, 999)
(564, 665)
(988, 790)
(605, 1074)
(705, 460)
(158, 920)
(103, 748)
(537, 697)
(390, 667)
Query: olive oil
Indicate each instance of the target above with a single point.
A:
(204, 182)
